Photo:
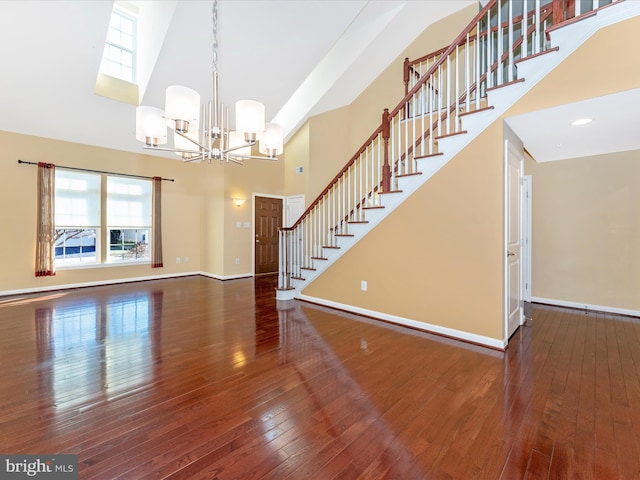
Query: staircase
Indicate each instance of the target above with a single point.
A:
(451, 97)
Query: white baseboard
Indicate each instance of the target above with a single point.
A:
(226, 277)
(426, 327)
(24, 291)
(586, 306)
(98, 283)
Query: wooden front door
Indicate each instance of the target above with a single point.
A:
(268, 220)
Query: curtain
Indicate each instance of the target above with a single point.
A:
(156, 224)
(45, 228)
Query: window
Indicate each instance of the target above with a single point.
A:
(118, 59)
(80, 230)
(128, 219)
(77, 218)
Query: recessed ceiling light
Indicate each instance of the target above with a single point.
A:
(581, 121)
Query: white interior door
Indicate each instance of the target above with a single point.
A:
(294, 208)
(513, 229)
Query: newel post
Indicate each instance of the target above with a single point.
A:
(405, 77)
(386, 168)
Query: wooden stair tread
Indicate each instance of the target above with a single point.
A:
(478, 110)
(554, 49)
(408, 174)
(513, 82)
(429, 155)
(447, 135)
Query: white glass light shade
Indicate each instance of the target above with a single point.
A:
(151, 126)
(182, 104)
(236, 139)
(272, 141)
(249, 117)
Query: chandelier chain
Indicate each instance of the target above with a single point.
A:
(214, 45)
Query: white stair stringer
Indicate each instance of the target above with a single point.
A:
(532, 70)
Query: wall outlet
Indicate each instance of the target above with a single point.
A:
(177, 259)
(363, 285)
(237, 261)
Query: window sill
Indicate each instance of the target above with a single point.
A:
(85, 266)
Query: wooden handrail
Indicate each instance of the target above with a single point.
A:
(337, 177)
(462, 36)
(444, 53)
(546, 10)
(416, 87)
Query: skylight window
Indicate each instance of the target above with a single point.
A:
(119, 55)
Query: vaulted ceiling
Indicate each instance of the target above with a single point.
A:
(298, 57)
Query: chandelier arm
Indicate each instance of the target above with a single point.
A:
(174, 150)
(257, 157)
(206, 149)
(239, 147)
(194, 159)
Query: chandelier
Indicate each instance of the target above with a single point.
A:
(201, 131)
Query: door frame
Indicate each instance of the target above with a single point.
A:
(527, 204)
(510, 146)
(253, 223)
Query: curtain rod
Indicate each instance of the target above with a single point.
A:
(100, 171)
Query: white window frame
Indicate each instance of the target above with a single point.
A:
(134, 223)
(109, 44)
(69, 187)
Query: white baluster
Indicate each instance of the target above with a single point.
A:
(510, 45)
(524, 31)
(537, 32)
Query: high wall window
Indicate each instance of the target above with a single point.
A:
(80, 229)
(128, 218)
(77, 218)
(118, 59)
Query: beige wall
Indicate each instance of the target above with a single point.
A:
(334, 137)
(199, 217)
(297, 155)
(254, 177)
(586, 230)
(586, 221)
(439, 257)
(181, 210)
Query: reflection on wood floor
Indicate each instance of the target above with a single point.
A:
(197, 378)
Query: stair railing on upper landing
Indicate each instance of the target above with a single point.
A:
(440, 89)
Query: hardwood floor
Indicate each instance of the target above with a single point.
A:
(193, 378)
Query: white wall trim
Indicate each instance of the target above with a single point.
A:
(225, 277)
(586, 306)
(426, 327)
(97, 283)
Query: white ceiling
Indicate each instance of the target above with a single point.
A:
(548, 134)
(299, 57)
